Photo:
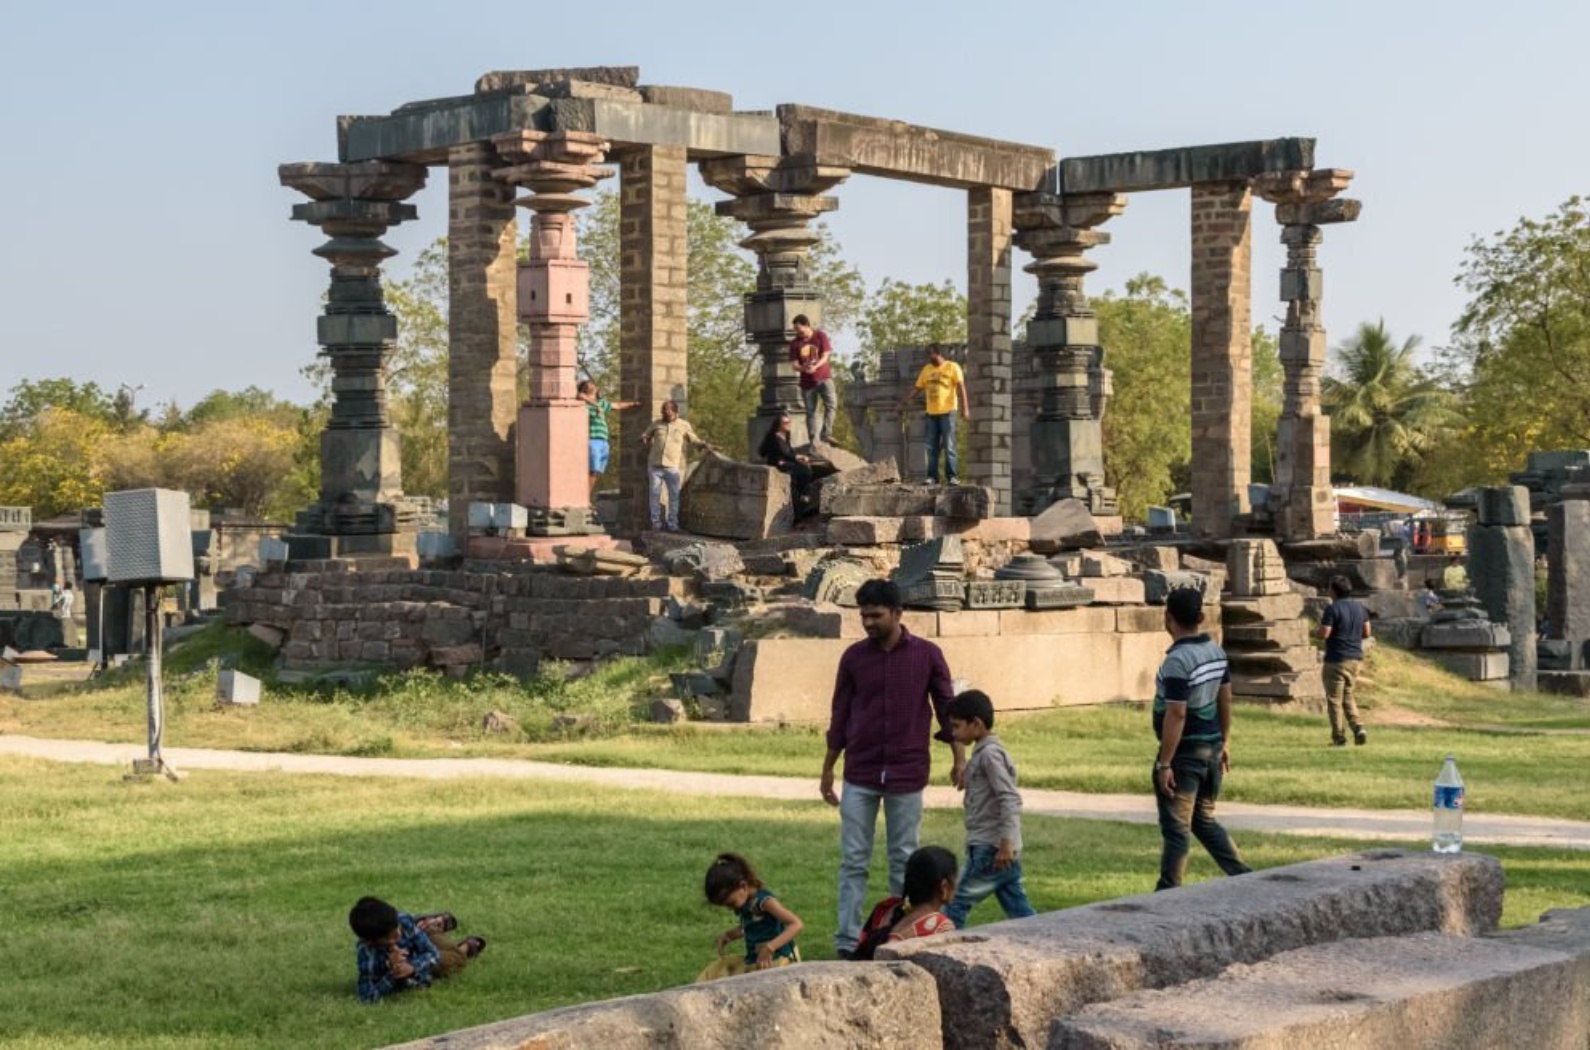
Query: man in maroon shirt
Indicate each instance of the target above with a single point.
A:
(810, 351)
(888, 691)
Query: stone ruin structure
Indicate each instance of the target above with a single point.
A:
(1374, 949)
(552, 134)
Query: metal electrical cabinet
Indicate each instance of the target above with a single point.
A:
(148, 536)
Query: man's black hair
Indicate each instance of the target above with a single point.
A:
(973, 704)
(1186, 606)
(879, 592)
(1341, 586)
(801, 319)
(372, 919)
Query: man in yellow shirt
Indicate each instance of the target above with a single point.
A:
(666, 442)
(943, 385)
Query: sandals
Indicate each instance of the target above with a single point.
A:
(442, 922)
(472, 946)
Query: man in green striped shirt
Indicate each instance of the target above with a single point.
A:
(1192, 719)
(598, 407)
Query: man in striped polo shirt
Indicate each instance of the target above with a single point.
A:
(598, 407)
(1192, 719)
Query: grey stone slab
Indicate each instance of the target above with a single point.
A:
(1175, 168)
(1476, 667)
(895, 149)
(1503, 505)
(1466, 634)
(919, 561)
(503, 79)
(1005, 984)
(1157, 585)
(1065, 524)
(812, 1006)
(424, 134)
(644, 124)
(1502, 574)
(1568, 577)
(1423, 991)
(996, 594)
(698, 99)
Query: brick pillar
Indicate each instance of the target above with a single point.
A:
(1301, 499)
(1222, 354)
(482, 357)
(653, 257)
(988, 371)
(553, 435)
(1068, 435)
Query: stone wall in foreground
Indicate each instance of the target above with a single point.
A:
(1383, 948)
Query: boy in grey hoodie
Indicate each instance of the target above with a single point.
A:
(993, 815)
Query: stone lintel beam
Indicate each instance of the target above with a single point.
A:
(422, 133)
(369, 181)
(1171, 169)
(743, 176)
(895, 149)
(1319, 213)
(616, 76)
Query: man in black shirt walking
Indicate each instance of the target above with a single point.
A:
(1344, 627)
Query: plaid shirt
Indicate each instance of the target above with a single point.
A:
(375, 973)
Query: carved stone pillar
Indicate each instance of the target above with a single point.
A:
(1067, 438)
(361, 479)
(778, 199)
(1301, 500)
(554, 290)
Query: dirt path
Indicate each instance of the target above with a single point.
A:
(1369, 824)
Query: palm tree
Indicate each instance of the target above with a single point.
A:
(1386, 413)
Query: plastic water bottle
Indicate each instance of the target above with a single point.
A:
(1448, 837)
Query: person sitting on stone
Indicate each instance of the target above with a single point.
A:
(397, 952)
(777, 452)
(767, 927)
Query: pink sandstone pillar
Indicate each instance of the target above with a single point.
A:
(988, 369)
(1222, 354)
(482, 360)
(554, 293)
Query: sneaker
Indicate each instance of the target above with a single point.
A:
(1338, 743)
(953, 481)
(1360, 737)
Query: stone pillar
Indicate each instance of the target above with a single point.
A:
(554, 295)
(1502, 573)
(361, 478)
(778, 199)
(1222, 354)
(1568, 577)
(1067, 436)
(483, 345)
(1301, 500)
(988, 370)
(653, 268)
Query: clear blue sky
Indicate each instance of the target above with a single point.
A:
(144, 237)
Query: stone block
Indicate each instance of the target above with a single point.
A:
(1064, 524)
(1016, 623)
(1300, 660)
(235, 687)
(1423, 990)
(917, 527)
(963, 502)
(1117, 590)
(733, 500)
(879, 501)
(1239, 610)
(1287, 685)
(836, 580)
(1069, 564)
(1476, 667)
(1005, 984)
(271, 636)
(1254, 567)
(1275, 634)
(1096, 564)
(968, 623)
(1501, 569)
(1465, 634)
(1564, 683)
(1503, 505)
(998, 530)
(698, 100)
(817, 1005)
(1140, 619)
(933, 594)
(1165, 559)
(884, 472)
(667, 710)
(996, 594)
(1064, 596)
(1157, 585)
(863, 532)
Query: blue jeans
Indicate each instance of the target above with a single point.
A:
(941, 437)
(822, 405)
(658, 477)
(1196, 767)
(858, 822)
(979, 879)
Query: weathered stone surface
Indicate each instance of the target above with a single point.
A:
(667, 710)
(1004, 985)
(1174, 168)
(1303, 659)
(835, 581)
(572, 88)
(1157, 586)
(1465, 634)
(742, 501)
(1503, 505)
(698, 99)
(1280, 686)
(1165, 559)
(1476, 667)
(1424, 990)
(1057, 621)
(1064, 524)
(705, 561)
(1117, 590)
(883, 472)
(502, 80)
(1279, 634)
(1254, 568)
(863, 532)
(1502, 572)
(1568, 577)
(996, 594)
(1265, 607)
(1097, 564)
(1065, 596)
(969, 623)
(816, 1005)
(1564, 683)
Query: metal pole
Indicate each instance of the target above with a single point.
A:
(152, 647)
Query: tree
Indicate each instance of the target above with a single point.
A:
(900, 314)
(1387, 415)
(1147, 338)
(53, 465)
(1267, 379)
(30, 399)
(1521, 350)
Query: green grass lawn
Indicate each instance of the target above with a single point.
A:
(1519, 753)
(212, 913)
